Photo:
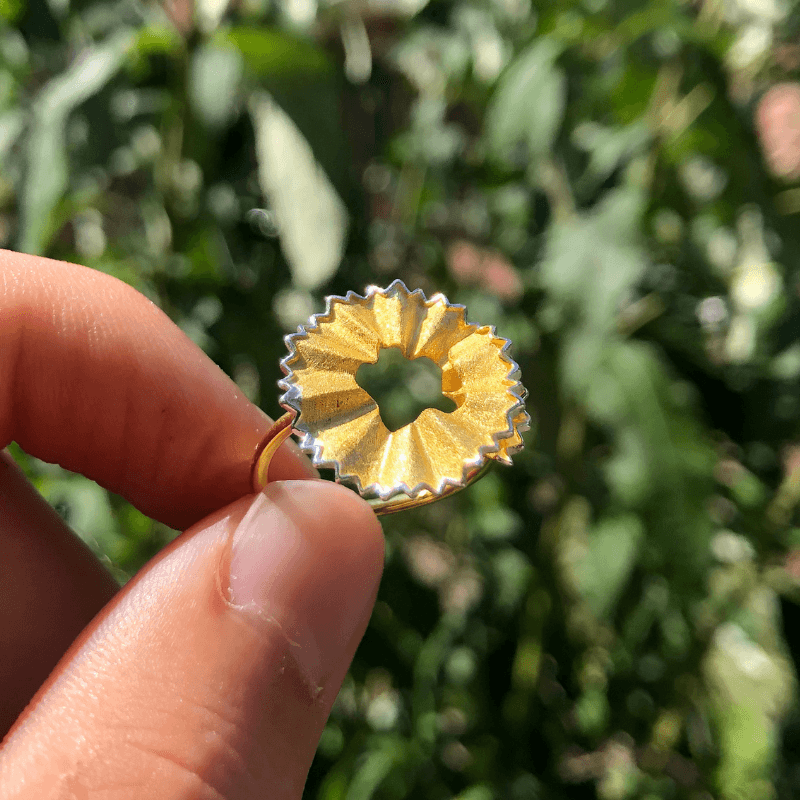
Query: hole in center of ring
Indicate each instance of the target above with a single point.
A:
(403, 388)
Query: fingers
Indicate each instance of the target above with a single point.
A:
(212, 674)
(51, 587)
(103, 383)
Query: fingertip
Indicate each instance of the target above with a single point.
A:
(105, 384)
(310, 553)
(350, 514)
(224, 670)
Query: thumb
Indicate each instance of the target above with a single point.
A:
(212, 674)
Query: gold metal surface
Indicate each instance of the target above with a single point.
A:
(280, 431)
(340, 424)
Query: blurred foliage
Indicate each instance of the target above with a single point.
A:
(614, 186)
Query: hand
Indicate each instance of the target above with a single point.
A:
(211, 674)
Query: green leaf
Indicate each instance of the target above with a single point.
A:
(209, 13)
(10, 9)
(608, 148)
(528, 106)
(87, 510)
(603, 571)
(156, 40)
(477, 792)
(312, 220)
(214, 83)
(594, 260)
(592, 712)
(12, 124)
(628, 469)
(373, 771)
(272, 53)
(47, 164)
(761, 681)
(513, 574)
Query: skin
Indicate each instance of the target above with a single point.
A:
(211, 674)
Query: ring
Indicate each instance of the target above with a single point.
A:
(339, 424)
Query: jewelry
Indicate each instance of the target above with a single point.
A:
(340, 425)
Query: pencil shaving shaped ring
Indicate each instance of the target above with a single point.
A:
(340, 425)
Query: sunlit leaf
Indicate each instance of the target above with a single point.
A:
(47, 162)
(86, 508)
(528, 105)
(210, 12)
(478, 792)
(609, 148)
(594, 260)
(312, 220)
(610, 555)
(12, 124)
(214, 82)
(750, 685)
(272, 53)
(372, 772)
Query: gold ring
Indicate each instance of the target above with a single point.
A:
(339, 423)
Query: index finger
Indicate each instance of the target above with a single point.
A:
(94, 377)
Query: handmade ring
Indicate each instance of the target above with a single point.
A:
(339, 423)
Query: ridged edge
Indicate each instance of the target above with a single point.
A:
(292, 396)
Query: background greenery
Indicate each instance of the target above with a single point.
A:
(613, 184)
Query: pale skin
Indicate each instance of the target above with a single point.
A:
(212, 673)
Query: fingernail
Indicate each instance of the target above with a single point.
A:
(306, 557)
